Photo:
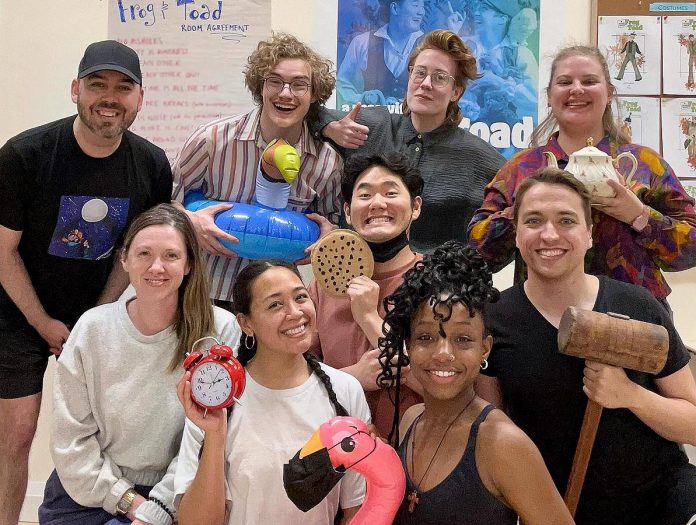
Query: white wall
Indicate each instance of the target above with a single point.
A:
(41, 43)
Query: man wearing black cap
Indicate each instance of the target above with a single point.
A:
(68, 190)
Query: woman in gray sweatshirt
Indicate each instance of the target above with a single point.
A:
(117, 423)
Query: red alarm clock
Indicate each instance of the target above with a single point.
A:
(217, 379)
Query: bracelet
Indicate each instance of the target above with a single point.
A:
(126, 501)
(162, 506)
(640, 222)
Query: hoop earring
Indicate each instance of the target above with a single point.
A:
(247, 345)
(484, 364)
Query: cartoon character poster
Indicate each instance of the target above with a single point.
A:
(690, 186)
(679, 135)
(679, 55)
(88, 227)
(376, 37)
(631, 46)
(636, 117)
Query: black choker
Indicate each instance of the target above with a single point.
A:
(387, 250)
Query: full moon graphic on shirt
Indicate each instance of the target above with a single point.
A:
(94, 210)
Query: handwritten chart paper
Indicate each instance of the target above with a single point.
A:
(192, 55)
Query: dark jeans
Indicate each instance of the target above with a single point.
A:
(58, 508)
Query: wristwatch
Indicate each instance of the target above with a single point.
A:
(124, 504)
(640, 222)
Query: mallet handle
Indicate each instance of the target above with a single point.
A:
(588, 432)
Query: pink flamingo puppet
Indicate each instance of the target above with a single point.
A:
(350, 446)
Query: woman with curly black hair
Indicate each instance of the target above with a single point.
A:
(465, 461)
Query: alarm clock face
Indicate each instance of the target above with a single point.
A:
(211, 385)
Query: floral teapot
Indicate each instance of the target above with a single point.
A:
(594, 168)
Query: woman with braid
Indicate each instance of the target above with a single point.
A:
(239, 476)
(465, 461)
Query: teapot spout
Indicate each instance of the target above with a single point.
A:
(551, 159)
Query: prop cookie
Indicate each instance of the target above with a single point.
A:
(338, 258)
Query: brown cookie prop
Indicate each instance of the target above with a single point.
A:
(339, 257)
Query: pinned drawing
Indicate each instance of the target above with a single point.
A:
(631, 46)
(631, 54)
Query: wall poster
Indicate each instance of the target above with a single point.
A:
(679, 55)
(690, 186)
(679, 135)
(375, 39)
(632, 46)
(192, 55)
(637, 117)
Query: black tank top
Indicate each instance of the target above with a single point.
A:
(461, 498)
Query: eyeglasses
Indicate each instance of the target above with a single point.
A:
(275, 85)
(438, 78)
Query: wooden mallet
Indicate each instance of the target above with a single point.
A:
(611, 339)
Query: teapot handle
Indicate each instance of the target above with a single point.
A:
(628, 155)
(551, 160)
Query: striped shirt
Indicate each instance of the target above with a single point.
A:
(667, 243)
(221, 159)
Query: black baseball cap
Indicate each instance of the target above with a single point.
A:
(112, 55)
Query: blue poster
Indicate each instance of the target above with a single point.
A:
(88, 227)
(376, 37)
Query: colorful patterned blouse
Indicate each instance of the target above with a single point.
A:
(668, 242)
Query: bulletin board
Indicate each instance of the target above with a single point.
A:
(650, 49)
(620, 7)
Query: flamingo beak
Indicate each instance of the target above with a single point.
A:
(309, 476)
(313, 445)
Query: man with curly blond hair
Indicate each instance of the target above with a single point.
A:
(288, 81)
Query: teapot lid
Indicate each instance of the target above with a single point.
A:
(589, 150)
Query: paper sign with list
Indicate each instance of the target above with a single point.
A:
(192, 55)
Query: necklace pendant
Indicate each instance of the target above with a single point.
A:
(413, 500)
